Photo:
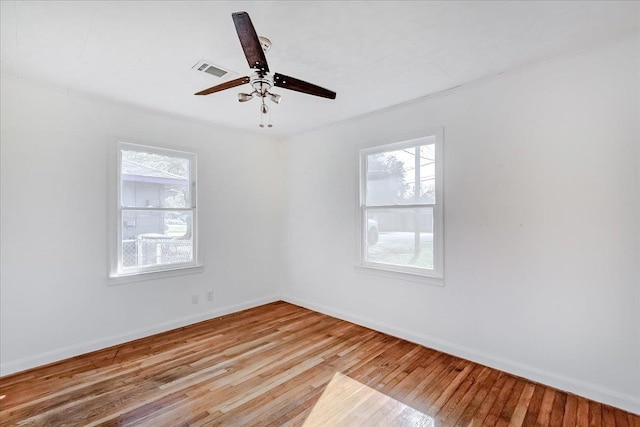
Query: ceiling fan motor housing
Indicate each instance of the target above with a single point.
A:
(261, 84)
(265, 43)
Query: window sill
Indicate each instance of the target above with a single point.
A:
(400, 275)
(120, 279)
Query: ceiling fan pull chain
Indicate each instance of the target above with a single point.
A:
(261, 125)
(270, 105)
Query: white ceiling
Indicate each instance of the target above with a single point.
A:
(373, 54)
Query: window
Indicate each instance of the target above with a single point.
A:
(156, 210)
(401, 207)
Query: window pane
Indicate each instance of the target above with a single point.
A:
(156, 238)
(401, 237)
(392, 176)
(153, 180)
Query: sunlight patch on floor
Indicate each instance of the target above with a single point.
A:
(346, 401)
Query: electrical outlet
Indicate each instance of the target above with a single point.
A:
(195, 299)
(209, 295)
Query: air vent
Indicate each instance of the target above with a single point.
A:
(209, 68)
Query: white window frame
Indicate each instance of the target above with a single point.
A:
(116, 272)
(437, 273)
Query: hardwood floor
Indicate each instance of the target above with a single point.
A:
(280, 364)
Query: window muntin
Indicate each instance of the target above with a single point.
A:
(157, 218)
(401, 221)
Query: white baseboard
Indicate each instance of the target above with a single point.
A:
(590, 391)
(101, 343)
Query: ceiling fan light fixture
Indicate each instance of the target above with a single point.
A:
(275, 97)
(244, 97)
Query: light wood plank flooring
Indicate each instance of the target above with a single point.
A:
(280, 364)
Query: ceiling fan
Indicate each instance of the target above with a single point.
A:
(261, 81)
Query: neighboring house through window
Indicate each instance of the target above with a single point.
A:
(156, 203)
(401, 207)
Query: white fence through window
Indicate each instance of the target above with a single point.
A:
(145, 251)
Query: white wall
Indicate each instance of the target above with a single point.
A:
(542, 224)
(56, 300)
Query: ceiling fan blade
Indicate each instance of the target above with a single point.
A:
(250, 42)
(290, 83)
(225, 85)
